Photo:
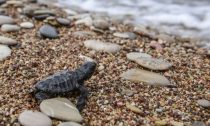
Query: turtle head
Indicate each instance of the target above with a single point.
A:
(87, 70)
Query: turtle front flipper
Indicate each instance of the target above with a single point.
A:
(40, 96)
(82, 98)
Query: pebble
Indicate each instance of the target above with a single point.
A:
(83, 33)
(69, 124)
(175, 123)
(86, 21)
(63, 21)
(136, 55)
(101, 24)
(147, 61)
(7, 41)
(126, 35)
(15, 3)
(102, 46)
(159, 110)
(30, 118)
(198, 123)
(48, 32)
(160, 123)
(155, 45)
(148, 77)
(141, 30)
(166, 38)
(204, 103)
(133, 108)
(127, 92)
(27, 25)
(5, 51)
(60, 108)
(6, 20)
(10, 28)
(44, 12)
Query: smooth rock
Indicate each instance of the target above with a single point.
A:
(166, 38)
(175, 123)
(6, 20)
(9, 28)
(102, 46)
(86, 21)
(126, 35)
(27, 25)
(83, 33)
(136, 55)
(127, 92)
(69, 124)
(160, 123)
(198, 123)
(148, 77)
(204, 103)
(48, 32)
(5, 51)
(141, 30)
(44, 12)
(147, 61)
(63, 21)
(101, 24)
(133, 108)
(30, 118)
(15, 3)
(60, 108)
(7, 41)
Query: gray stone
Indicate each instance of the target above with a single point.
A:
(69, 124)
(6, 20)
(198, 123)
(27, 25)
(102, 46)
(5, 51)
(204, 103)
(9, 28)
(83, 33)
(101, 24)
(30, 118)
(48, 32)
(60, 108)
(126, 35)
(147, 61)
(44, 12)
(86, 21)
(63, 21)
(7, 41)
(150, 78)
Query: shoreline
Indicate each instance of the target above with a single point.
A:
(111, 96)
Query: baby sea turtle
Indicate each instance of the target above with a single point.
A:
(64, 82)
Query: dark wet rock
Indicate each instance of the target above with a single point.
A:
(41, 17)
(2, 2)
(48, 31)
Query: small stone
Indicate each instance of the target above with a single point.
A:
(101, 24)
(148, 77)
(5, 51)
(86, 21)
(63, 21)
(204, 103)
(159, 110)
(6, 20)
(126, 35)
(48, 32)
(175, 123)
(198, 123)
(69, 124)
(7, 41)
(147, 61)
(83, 33)
(101, 67)
(15, 3)
(102, 46)
(141, 30)
(136, 55)
(160, 123)
(166, 38)
(133, 108)
(9, 28)
(44, 12)
(127, 92)
(156, 45)
(60, 108)
(27, 25)
(30, 118)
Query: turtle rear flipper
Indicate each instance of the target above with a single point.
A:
(82, 98)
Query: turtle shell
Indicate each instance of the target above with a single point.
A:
(61, 82)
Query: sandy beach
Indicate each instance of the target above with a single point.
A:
(113, 100)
